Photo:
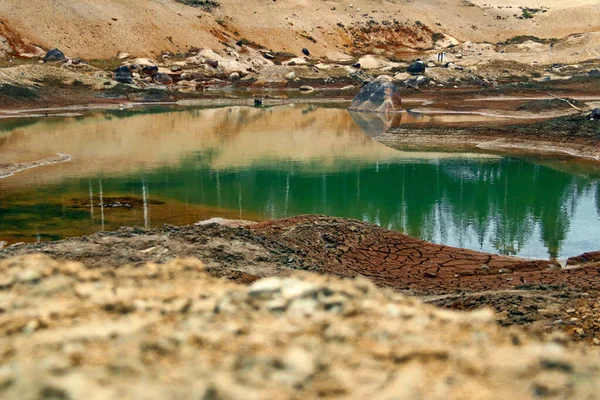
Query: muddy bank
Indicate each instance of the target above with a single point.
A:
(523, 291)
(572, 135)
(7, 170)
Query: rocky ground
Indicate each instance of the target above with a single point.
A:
(260, 310)
(172, 331)
(534, 294)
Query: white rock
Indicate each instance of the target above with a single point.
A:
(265, 286)
(293, 288)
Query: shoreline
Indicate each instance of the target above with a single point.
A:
(9, 170)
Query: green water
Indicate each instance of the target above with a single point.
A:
(181, 166)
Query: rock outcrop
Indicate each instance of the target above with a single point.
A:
(381, 96)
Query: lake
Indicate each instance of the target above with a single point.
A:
(178, 165)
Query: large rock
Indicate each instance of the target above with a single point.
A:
(595, 113)
(162, 78)
(149, 70)
(381, 95)
(418, 67)
(123, 74)
(55, 55)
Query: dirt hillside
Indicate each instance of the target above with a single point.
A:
(100, 29)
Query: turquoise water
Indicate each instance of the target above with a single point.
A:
(144, 168)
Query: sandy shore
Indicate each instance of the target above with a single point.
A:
(7, 170)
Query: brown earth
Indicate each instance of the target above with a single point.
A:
(525, 292)
(172, 331)
(88, 29)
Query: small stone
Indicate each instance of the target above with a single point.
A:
(123, 75)
(265, 286)
(293, 288)
(176, 68)
(290, 76)
(29, 276)
(418, 67)
(307, 88)
(55, 55)
(162, 78)
(234, 76)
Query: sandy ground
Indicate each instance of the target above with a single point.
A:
(92, 29)
(174, 332)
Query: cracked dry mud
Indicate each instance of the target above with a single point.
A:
(173, 331)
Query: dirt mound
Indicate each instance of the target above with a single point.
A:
(173, 332)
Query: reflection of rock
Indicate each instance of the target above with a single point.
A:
(381, 96)
(375, 124)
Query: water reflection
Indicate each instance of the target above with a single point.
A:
(240, 162)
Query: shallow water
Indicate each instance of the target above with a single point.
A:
(158, 165)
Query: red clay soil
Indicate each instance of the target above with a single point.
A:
(350, 248)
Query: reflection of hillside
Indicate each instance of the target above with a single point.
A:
(235, 136)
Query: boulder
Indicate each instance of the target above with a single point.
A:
(290, 76)
(212, 63)
(150, 70)
(55, 55)
(594, 72)
(162, 78)
(380, 96)
(418, 68)
(595, 113)
(123, 74)
(234, 76)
